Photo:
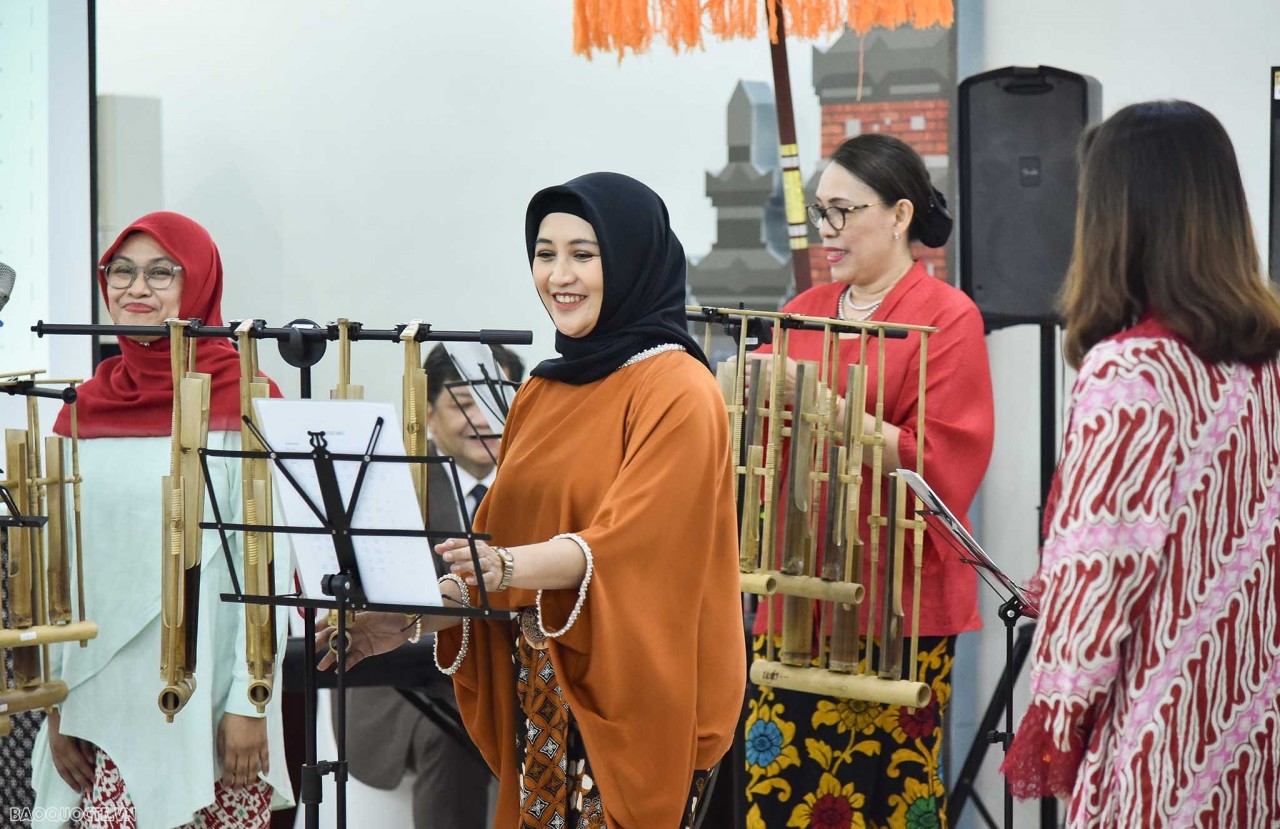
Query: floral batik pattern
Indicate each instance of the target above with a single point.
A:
(108, 805)
(826, 763)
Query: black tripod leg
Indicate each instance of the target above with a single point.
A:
(963, 790)
(310, 790)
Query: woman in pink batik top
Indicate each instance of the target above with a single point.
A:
(1156, 680)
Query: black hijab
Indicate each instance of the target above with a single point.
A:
(644, 275)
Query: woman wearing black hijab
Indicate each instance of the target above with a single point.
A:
(613, 535)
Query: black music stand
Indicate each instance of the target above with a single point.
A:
(335, 517)
(1017, 605)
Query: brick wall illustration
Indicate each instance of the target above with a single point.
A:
(907, 87)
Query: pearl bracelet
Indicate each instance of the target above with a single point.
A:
(582, 589)
(417, 627)
(466, 629)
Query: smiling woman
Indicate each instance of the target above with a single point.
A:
(614, 484)
(108, 750)
(144, 283)
(567, 270)
(873, 201)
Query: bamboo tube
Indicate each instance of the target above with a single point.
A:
(47, 634)
(761, 584)
(44, 695)
(844, 686)
(811, 587)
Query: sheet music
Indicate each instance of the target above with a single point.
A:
(467, 359)
(392, 570)
(943, 516)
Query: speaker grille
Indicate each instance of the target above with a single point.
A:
(1018, 133)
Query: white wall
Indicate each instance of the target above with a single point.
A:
(45, 223)
(373, 160)
(1216, 55)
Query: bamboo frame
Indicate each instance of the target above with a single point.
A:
(38, 578)
(843, 455)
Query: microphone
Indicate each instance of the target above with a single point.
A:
(7, 277)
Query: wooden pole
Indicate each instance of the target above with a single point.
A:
(792, 183)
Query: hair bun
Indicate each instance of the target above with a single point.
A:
(936, 223)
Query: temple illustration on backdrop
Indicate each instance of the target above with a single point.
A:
(907, 90)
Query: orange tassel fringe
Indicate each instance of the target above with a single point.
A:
(622, 26)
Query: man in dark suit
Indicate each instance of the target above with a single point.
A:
(386, 734)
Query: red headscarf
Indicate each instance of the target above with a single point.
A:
(132, 395)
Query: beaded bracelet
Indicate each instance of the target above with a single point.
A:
(466, 629)
(582, 589)
(417, 627)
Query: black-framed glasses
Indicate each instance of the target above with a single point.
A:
(835, 216)
(120, 275)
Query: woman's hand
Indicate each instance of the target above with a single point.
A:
(72, 757)
(457, 554)
(766, 372)
(372, 634)
(242, 747)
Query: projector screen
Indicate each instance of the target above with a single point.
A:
(46, 221)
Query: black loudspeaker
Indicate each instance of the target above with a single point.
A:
(1274, 241)
(1018, 130)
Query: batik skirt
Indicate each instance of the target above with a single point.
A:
(832, 763)
(557, 789)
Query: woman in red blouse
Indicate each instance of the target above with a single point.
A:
(1156, 663)
(882, 762)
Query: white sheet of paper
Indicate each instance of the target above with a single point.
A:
(467, 359)
(392, 570)
(933, 502)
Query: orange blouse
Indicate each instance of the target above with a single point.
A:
(654, 670)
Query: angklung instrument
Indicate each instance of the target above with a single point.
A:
(413, 410)
(41, 549)
(829, 460)
(183, 510)
(256, 508)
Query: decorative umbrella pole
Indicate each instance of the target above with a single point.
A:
(629, 25)
(792, 183)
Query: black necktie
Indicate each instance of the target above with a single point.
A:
(477, 495)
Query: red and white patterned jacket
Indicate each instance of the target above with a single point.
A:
(1156, 679)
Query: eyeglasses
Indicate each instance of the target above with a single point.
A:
(835, 216)
(120, 275)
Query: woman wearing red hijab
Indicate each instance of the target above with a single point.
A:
(107, 751)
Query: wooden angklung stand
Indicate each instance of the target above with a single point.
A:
(829, 461)
(40, 550)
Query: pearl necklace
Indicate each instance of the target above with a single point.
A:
(857, 312)
(651, 352)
